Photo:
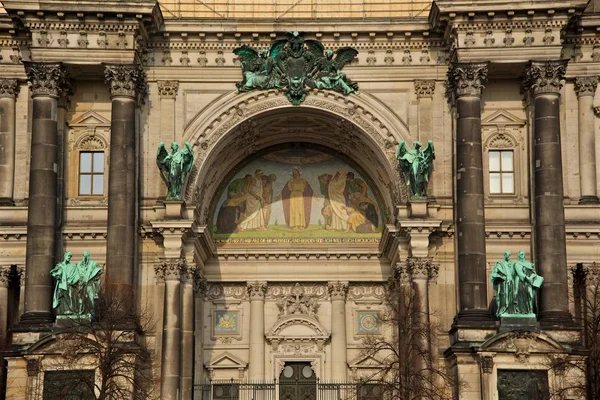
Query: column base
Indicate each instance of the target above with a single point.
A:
(35, 321)
(589, 200)
(474, 318)
(559, 320)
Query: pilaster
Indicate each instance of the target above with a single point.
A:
(339, 356)
(9, 88)
(256, 363)
(167, 90)
(585, 87)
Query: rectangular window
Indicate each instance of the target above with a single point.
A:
(91, 173)
(501, 172)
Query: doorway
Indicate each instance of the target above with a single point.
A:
(297, 381)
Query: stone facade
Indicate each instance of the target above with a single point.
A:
(478, 79)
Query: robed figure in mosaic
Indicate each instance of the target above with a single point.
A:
(416, 166)
(174, 167)
(297, 201)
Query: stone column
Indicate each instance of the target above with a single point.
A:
(4, 281)
(256, 364)
(191, 281)
(339, 356)
(170, 270)
(47, 84)
(465, 83)
(8, 92)
(544, 80)
(127, 85)
(585, 87)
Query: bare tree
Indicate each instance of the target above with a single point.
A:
(571, 369)
(104, 357)
(409, 369)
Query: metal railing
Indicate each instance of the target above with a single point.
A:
(290, 390)
(280, 10)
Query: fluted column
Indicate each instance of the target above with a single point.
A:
(544, 81)
(8, 92)
(339, 356)
(465, 83)
(585, 87)
(170, 270)
(48, 82)
(191, 281)
(127, 85)
(256, 364)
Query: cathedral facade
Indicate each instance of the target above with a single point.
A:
(273, 258)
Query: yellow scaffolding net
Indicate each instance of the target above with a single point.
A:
(295, 9)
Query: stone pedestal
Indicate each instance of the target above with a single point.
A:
(47, 84)
(519, 323)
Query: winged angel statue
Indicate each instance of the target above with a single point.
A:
(174, 167)
(416, 166)
(296, 65)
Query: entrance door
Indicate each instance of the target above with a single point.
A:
(297, 382)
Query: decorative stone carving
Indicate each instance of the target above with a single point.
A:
(121, 40)
(168, 89)
(424, 59)
(9, 88)
(389, 57)
(63, 40)
(44, 39)
(596, 53)
(467, 79)
(82, 41)
(487, 364)
(298, 302)
(47, 79)
(371, 59)
(102, 40)
(317, 290)
(489, 39)
(167, 59)
(470, 39)
(528, 39)
(421, 268)
(424, 88)
(545, 76)
(586, 85)
(233, 291)
(33, 367)
(5, 273)
(548, 37)
(220, 60)
(126, 80)
(509, 40)
(337, 290)
(407, 57)
(360, 291)
(256, 290)
(401, 274)
(170, 269)
(202, 59)
(184, 59)
(15, 57)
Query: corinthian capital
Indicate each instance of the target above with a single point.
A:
(5, 276)
(256, 290)
(47, 79)
(545, 76)
(170, 269)
(337, 290)
(168, 89)
(422, 268)
(424, 89)
(586, 85)
(467, 79)
(126, 81)
(9, 88)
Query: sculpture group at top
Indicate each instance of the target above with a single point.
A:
(76, 285)
(515, 286)
(296, 65)
(174, 167)
(416, 166)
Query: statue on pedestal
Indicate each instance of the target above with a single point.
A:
(416, 166)
(174, 167)
(76, 286)
(515, 286)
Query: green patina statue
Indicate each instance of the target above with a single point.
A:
(174, 167)
(515, 286)
(416, 166)
(295, 65)
(76, 286)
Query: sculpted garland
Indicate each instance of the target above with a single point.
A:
(295, 65)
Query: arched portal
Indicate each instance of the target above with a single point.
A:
(237, 126)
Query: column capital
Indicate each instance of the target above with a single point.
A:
(586, 85)
(33, 367)
(47, 79)
(487, 363)
(424, 88)
(545, 76)
(9, 88)
(402, 273)
(422, 268)
(170, 269)
(256, 290)
(466, 79)
(5, 272)
(168, 89)
(337, 290)
(126, 81)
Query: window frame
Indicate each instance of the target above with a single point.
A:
(91, 174)
(501, 172)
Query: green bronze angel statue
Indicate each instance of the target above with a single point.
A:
(416, 166)
(174, 167)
